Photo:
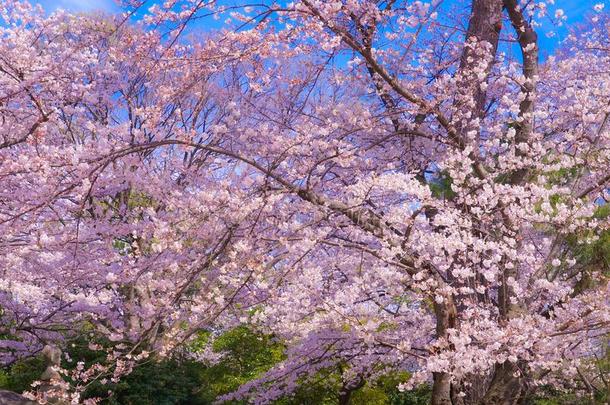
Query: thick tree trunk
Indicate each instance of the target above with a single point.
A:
(506, 387)
(441, 389)
(484, 29)
(484, 26)
(344, 397)
(12, 398)
(446, 316)
(528, 42)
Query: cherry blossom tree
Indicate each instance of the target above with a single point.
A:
(382, 185)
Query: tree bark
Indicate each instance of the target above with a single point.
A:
(484, 26)
(441, 389)
(528, 42)
(506, 388)
(446, 317)
(345, 395)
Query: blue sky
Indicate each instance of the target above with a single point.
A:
(79, 5)
(575, 11)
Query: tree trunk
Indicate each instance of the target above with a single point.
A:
(506, 388)
(446, 316)
(484, 25)
(344, 397)
(347, 389)
(441, 389)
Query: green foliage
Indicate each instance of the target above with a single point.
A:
(388, 384)
(371, 395)
(440, 186)
(550, 396)
(592, 253)
(322, 389)
(167, 382)
(562, 176)
(246, 356)
(20, 375)
(554, 200)
(419, 396)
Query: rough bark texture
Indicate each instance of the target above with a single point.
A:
(485, 24)
(11, 398)
(508, 385)
(505, 388)
(446, 317)
(50, 378)
(528, 42)
(345, 395)
(441, 389)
